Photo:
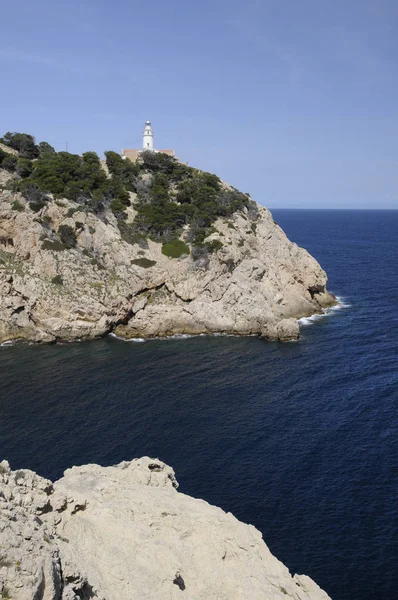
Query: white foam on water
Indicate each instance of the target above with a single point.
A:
(179, 336)
(7, 343)
(310, 320)
(231, 334)
(341, 304)
(187, 336)
(176, 336)
(122, 339)
(325, 312)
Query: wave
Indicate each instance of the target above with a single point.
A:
(179, 336)
(7, 343)
(122, 339)
(342, 304)
(139, 340)
(310, 320)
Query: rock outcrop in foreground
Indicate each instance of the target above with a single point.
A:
(257, 282)
(125, 533)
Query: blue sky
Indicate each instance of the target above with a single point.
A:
(293, 101)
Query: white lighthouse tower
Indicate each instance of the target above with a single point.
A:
(134, 154)
(147, 138)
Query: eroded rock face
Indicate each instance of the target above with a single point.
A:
(125, 533)
(257, 279)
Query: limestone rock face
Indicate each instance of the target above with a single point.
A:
(125, 533)
(47, 292)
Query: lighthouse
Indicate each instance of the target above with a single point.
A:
(147, 138)
(147, 145)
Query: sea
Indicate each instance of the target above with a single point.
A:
(300, 439)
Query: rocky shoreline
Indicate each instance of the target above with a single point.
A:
(257, 282)
(125, 532)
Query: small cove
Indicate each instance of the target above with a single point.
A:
(297, 439)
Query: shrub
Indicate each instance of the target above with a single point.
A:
(145, 263)
(5, 593)
(117, 205)
(97, 264)
(3, 155)
(200, 255)
(9, 163)
(53, 245)
(214, 245)
(37, 205)
(30, 191)
(230, 264)
(96, 204)
(67, 235)
(252, 210)
(57, 280)
(16, 205)
(130, 235)
(175, 249)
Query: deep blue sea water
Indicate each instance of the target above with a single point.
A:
(299, 439)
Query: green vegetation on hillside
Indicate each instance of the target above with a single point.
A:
(172, 199)
(175, 249)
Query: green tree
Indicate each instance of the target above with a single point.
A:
(23, 143)
(45, 148)
(24, 167)
(158, 162)
(115, 163)
(117, 205)
(92, 172)
(91, 158)
(53, 184)
(52, 172)
(124, 169)
(77, 191)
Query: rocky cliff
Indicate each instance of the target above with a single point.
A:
(256, 282)
(125, 533)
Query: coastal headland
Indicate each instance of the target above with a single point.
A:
(145, 249)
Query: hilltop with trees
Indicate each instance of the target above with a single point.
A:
(143, 249)
(169, 197)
